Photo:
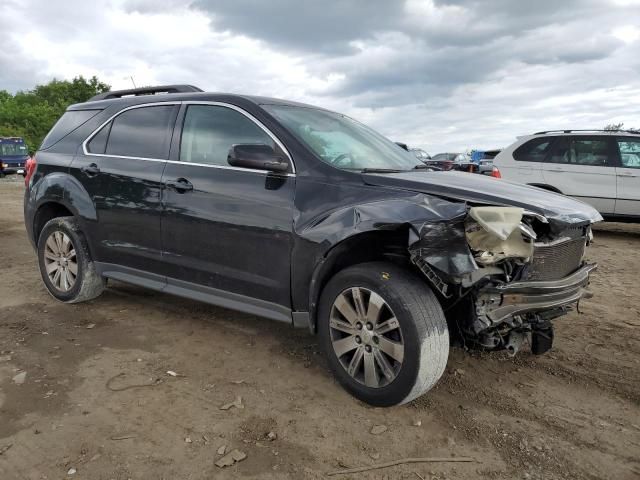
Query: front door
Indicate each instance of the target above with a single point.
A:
(583, 167)
(122, 171)
(628, 176)
(226, 229)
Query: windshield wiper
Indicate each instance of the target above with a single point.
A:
(381, 170)
(393, 170)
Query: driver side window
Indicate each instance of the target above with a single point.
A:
(209, 132)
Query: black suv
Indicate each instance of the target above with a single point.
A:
(305, 216)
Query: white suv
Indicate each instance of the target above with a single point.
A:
(601, 168)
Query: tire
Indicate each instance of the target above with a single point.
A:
(421, 329)
(86, 284)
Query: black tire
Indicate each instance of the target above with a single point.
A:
(88, 283)
(422, 323)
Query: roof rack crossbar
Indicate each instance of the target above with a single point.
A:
(145, 91)
(584, 130)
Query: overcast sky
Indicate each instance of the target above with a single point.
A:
(444, 75)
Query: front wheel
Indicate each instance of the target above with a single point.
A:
(384, 333)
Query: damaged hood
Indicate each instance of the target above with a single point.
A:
(480, 189)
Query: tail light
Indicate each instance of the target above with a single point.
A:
(29, 168)
(495, 172)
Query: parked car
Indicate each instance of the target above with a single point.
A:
(420, 154)
(599, 167)
(485, 166)
(452, 161)
(443, 161)
(463, 163)
(305, 216)
(13, 155)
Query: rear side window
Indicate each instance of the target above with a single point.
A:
(140, 132)
(629, 152)
(561, 152)
(98, 143)
(67, 123)
(534, 150)
(588, 151)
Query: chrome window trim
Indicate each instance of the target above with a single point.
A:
(119, 112)
(254, 120)
(194, 102)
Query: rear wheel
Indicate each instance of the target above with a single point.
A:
(65, 263)
(384, 333)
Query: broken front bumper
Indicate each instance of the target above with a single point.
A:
(499, 303)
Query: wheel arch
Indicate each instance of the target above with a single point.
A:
(45, 212)
(545, 186)
(359, 248)
(56, 195)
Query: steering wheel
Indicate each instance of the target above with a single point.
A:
(339, 161)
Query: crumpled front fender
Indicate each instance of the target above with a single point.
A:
(443, 245)
(422, 213)
(436, 234)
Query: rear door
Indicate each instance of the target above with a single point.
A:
(628, 176)
(227, 230)
(121, 167)
(583, 166)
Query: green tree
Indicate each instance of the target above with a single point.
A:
(31, 114)
(616, 127)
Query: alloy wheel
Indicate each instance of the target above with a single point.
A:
(61, 263)
(366, 337)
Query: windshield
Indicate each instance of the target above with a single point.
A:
(9, 149)
(342, 142)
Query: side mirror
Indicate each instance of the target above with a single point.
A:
(257, 157)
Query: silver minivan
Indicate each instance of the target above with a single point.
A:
(601, 168)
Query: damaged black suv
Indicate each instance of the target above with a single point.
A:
(303, 215)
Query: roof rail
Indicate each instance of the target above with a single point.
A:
(585, 130)
(145, 91)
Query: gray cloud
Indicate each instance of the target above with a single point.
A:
(304, 25)
(393, 48)
(17, 70)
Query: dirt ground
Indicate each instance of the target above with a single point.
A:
(573, 413)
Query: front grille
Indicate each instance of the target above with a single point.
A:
(556, 260)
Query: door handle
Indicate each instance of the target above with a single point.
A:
(626, 175)
(556, 170)
(90, 170)
(180, 185)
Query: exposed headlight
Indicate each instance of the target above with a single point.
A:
(500, 221)
(496, 233)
